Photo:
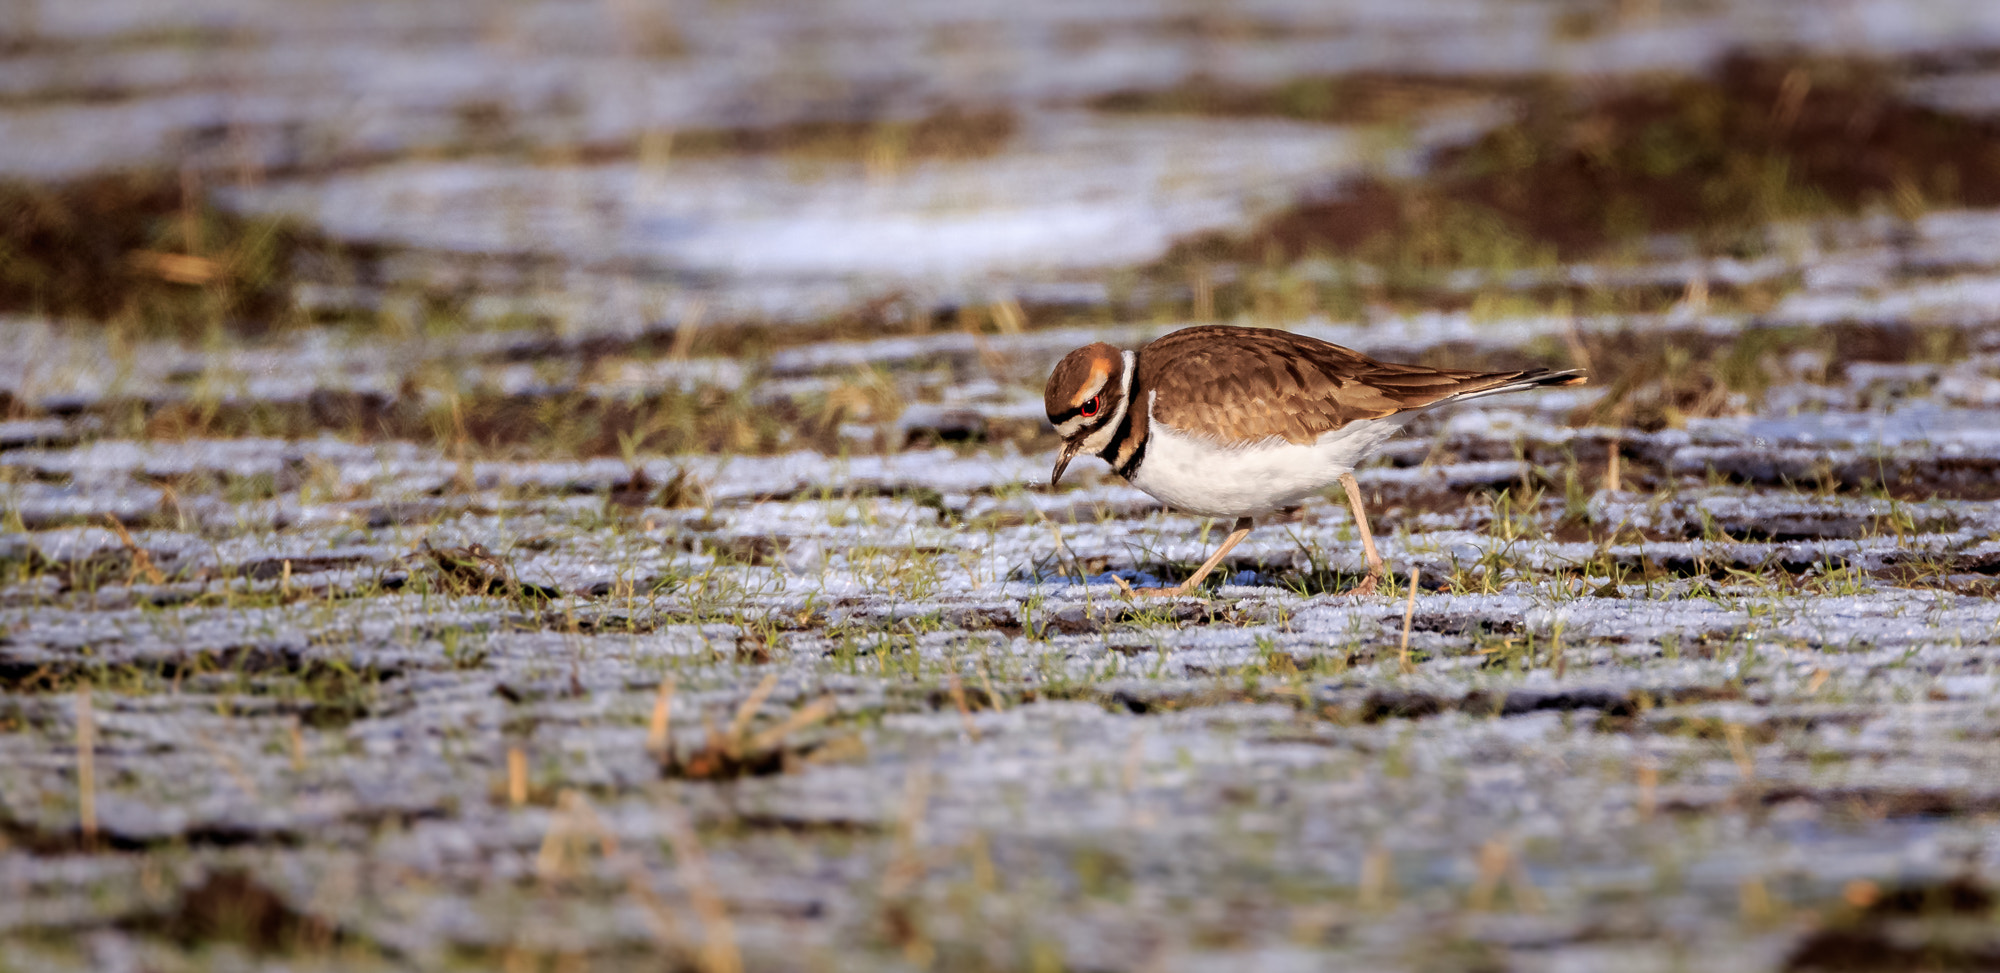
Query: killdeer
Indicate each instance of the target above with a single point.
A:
(1236, 422)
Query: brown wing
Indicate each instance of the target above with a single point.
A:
(1250, 384)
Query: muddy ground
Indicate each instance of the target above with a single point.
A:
(455, 514)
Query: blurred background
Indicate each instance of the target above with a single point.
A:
(559, 227)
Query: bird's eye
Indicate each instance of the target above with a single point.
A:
(1090, 408)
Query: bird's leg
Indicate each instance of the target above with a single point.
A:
(1367, 585)
(1235, 537)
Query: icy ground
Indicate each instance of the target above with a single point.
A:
(1681, 723)
(1717, 693)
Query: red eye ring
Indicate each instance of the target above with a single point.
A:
(1089, 408)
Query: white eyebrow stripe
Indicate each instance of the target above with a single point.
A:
(1077, 422)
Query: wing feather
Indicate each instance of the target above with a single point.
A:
(1243, 385)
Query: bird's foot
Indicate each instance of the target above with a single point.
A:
(1362, 590)
(1131, 592)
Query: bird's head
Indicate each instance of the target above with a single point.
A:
(1085, 398)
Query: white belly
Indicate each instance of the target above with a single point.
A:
(1193, 474)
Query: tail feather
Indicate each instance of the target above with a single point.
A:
(1533, 378)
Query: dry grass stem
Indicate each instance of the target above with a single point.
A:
(1008, 317)
(957, 690)
(733, 752)
(685, 331)
(660, 726)
(1696, 297)
(86, 765)
(1493, 859)
(1754, 900)
(517, 776)
(552, 861)
(297, 739)
(230, 765)
(1745, 766)
(719, 952)
(1135, 755)
(1374, 885)
(906, 866)
(142, 562)
(1527, 898)
(661, 920)
(992, 698)
(1409, 616)
(1579, 352)
(819, 709)
(740, 725)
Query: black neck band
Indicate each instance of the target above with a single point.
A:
(1133, 394)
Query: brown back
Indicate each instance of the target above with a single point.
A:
(1250, 384)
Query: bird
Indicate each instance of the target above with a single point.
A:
(1225, 421)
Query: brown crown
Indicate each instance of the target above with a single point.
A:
(1077, 374)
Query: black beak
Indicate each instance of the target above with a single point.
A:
(1062, 462)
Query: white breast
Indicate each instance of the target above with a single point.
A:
(1194, 474)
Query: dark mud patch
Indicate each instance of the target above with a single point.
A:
(319, 694)
(71, 840)
(1141, 611)
(574, 422)
(561, 423)
(1942, 926)
(1353, 99)
(473, 570)
(953, 133)
(233, 906)
(146, 251)
(1577, 173)
(883, 144)
(1659, 379)
(735, 751)
(1613, 704)
(1873, 949)
(1903, 476)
